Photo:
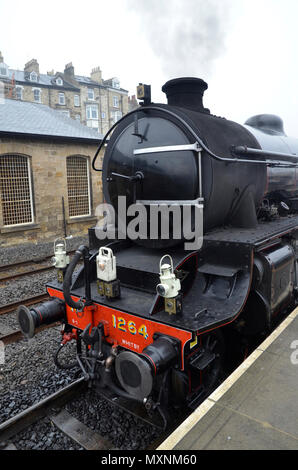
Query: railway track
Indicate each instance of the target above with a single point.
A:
(11, 307)
(52, 407)
(11, 277)
(17, 335)
(26, 268)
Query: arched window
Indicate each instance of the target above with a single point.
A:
(16, 190)
(78, 186)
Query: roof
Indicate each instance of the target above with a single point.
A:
(86, 80)
(109, 83)
(43, 79)
(21, 76)
(25, 118)
(105, 83)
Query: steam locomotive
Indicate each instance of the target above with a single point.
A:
(153, 320)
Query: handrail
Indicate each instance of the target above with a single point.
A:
(267, 162)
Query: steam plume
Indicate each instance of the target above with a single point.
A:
(186, 35)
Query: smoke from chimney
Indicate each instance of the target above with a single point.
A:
(186, 35)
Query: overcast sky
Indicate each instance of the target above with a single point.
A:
(247, 50)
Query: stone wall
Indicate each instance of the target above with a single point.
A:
(49, 182)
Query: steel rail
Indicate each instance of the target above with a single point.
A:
(6, 267)
(13, 276)
(18, 335)
(29, 301)
(22, 420)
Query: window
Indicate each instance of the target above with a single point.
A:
(33, 77)
(61, 98)
(115, 83)
(90, 94)
(103, 115)
(16, 190)
(92, 111)
(3, 70)
(19, 93)
(78, 186)
(37, 95)
(117, 115)
(59, 81)
(115, 101)
(76, 100)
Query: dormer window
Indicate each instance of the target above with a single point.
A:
(59, 81)
(33, 76)
(3, 70)
(115, 83)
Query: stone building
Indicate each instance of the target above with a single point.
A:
(95, 102)
(47, 187)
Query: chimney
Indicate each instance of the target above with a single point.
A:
(69, 70)
(132, 103)
(1, 57)
(32, 66)
(186, 92)
(96, 75)
(51, 72)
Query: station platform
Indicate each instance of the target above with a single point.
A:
(256, 408)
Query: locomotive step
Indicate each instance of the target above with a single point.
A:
(203, 360)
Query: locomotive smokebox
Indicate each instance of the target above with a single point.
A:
(186, 92)
(45, 314)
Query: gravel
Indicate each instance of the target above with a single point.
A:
(123, 429)
(29, 373)
(44, 436)
(25, 286)
(35, 251)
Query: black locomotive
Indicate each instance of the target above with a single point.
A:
(158, 333)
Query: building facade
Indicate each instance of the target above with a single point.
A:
(92, 101)
(47, 187)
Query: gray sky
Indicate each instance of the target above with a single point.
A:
(247, 50)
